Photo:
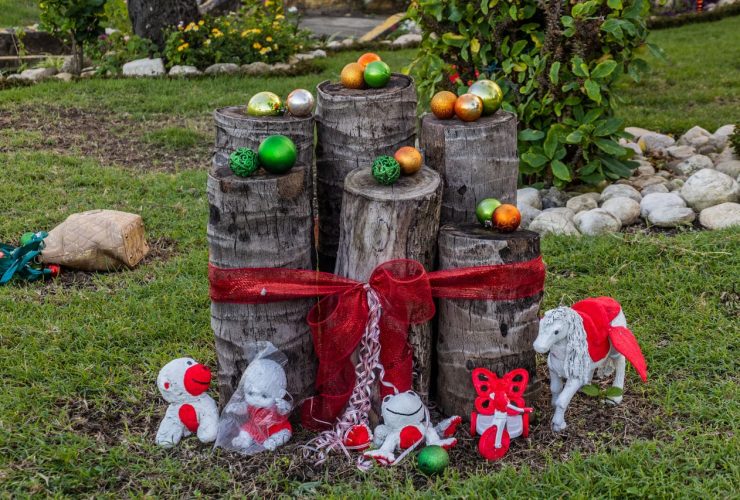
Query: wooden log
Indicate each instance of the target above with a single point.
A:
(477, 160)
(382, 223)
(353, 128)
(261, 221)
(497, 335)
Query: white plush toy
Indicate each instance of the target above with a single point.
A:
(405, 425)
(256, 417)
(183, 383)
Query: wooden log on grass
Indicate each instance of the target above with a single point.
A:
(497, 335)
(261, 221)
(476, 160)
(354, 127)
(381, 223)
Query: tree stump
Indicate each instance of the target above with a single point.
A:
(261, 221)
(476, 160)
(382, 223)
(497, 335)
(353, 128)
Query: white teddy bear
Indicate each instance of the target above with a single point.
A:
(183, 383)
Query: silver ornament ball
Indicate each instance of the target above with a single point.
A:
(300, 103)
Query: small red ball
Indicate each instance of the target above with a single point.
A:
(55, 270)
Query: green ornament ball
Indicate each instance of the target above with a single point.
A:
(490, 93)
(26, 238)
(432, 460)
(484, 210)
(265, 104)
(386, 170)
(243, 162)
(277, 154)
(377, 74)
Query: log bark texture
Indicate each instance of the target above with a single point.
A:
(497, 335)
(382, 223)
(353, 128)
(261, 221)
(477, 160)
(149, 18)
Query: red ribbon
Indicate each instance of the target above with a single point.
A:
(337, 321)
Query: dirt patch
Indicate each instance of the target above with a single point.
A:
(642, 227)
(110, 138)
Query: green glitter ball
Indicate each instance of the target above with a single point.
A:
(26, 238)
(386, 170)
(243, 162)
(432, 460)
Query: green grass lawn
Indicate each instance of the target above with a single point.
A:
(18, 13)
(78, 403)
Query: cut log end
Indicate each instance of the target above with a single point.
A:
(337, 91)
(361, 182)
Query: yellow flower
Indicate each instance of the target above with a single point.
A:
(189, 26)
(207, 42)
(217, 33)
(269, 3)
(265, 50)
(269, 38)
(256, 45)
(201, 22)
(280, 17)
(183, 47)
(195, 28)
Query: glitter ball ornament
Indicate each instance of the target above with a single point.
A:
(386, 170)
(264, 104)
(300, 103)
(490, 93)
(55, 270)
(377, 74)
(409, 158)
(367, 58)
(432, 460)
(243, 162)
(506, 218)
(468, 107)
(26, 238)
(353, 76)
(443, 104)
(484, 210)
(277, 154)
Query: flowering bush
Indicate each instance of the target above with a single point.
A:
(111, 52)
(257, 32)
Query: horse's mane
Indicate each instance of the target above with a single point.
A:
(577, 358)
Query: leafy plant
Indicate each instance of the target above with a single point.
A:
(111, 52)
(557, 63)
(595, 391)
(116, 13)
(77, 21)
(735, 139)
(259, 31)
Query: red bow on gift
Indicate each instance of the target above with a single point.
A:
(405, 291)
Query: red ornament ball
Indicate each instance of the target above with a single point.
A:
(55, 270)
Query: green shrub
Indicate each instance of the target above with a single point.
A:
(111, 52)
(557, 63)
(77, 21)
(257, 32)
(735, 139)
(116, 13)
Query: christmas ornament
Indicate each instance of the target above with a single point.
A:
(26, 238)
(183, 384)
(353, 76)
(300, 103)
(256, 417)
(406, 425)
(468, 107)
(377, 74)
(23, 262)
(490, 93)
(506, 218)
(590, 335)
(367, 58)
(501, 414)
(484, 210)
(386, 170)
(443, 104)
(55, 270)
(432, 460)
(409, 158)
(264, 104)
(243, 162)
(277, 154)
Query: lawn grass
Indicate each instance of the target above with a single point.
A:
(78, 403)
(18, 13)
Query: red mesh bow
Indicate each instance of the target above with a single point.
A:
(338, 320)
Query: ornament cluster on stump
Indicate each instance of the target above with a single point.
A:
(369, 70)
(386, 170)
(276, 154)
(483, 98)
(491, 213)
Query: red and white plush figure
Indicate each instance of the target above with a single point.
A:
(183, 383)
(501, 414)
(406, 425)
(256, 417)
(591, 334)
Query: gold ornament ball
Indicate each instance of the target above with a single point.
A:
(443, 104)
(468, 107)
(490, 93)
(506, 218)
(409, 158)
(264, 104)
(353, 76)
(300, 103)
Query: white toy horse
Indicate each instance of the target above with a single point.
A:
(589, 335)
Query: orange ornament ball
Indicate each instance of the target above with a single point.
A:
(506, 218)
(409, 158)
(353, 76)
(443, 104)
(468, 107)
(367, 58)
